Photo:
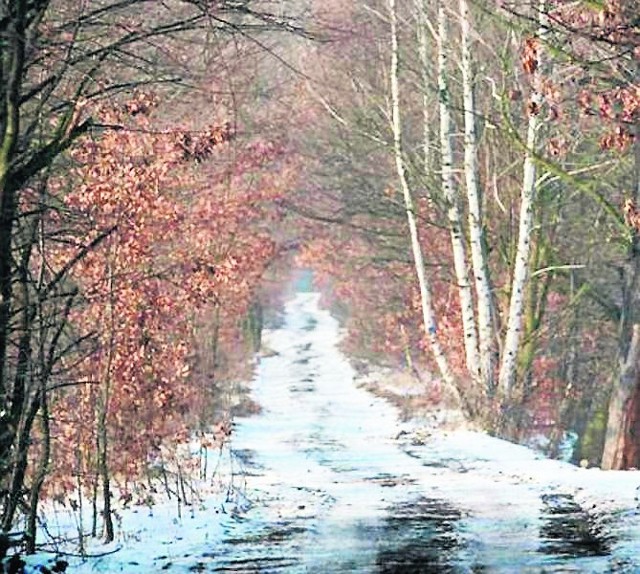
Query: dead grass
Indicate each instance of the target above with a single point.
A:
(417, 396)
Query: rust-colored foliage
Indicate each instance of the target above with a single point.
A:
(180, 241)
(631, 215)
(610, 94)
(530, 56)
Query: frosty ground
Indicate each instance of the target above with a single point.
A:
(330, 478)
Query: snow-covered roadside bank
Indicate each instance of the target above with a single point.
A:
(417, 398)
(329, 478)
(151, 530)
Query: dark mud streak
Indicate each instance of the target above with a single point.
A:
(255, 566)
(272, 535)
(310, 325)
(390, 480)
(272, 547)
(570, 531)
(308, 387)
(247, 457)
(420, 536)
(442, 462)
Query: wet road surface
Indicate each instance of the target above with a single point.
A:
(324, 485)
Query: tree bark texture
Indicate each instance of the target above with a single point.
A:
(622, 408)
(452, 199)
(521, 271)
(428, 314)
(479, 258)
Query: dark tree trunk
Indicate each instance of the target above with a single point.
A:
(630, 444)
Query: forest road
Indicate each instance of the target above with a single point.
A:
(324, 484)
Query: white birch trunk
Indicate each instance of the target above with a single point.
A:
(520, 278)
(484, 292)
(453, 202)
(423, 54)
(428, 313)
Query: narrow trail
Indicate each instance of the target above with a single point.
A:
(329, 488)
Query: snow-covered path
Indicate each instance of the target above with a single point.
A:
(333, 490)
(326, 486)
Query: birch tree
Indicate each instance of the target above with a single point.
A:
(428, 314)
(521, 271)
(452, 200)
(424, 62)
(483, 287)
